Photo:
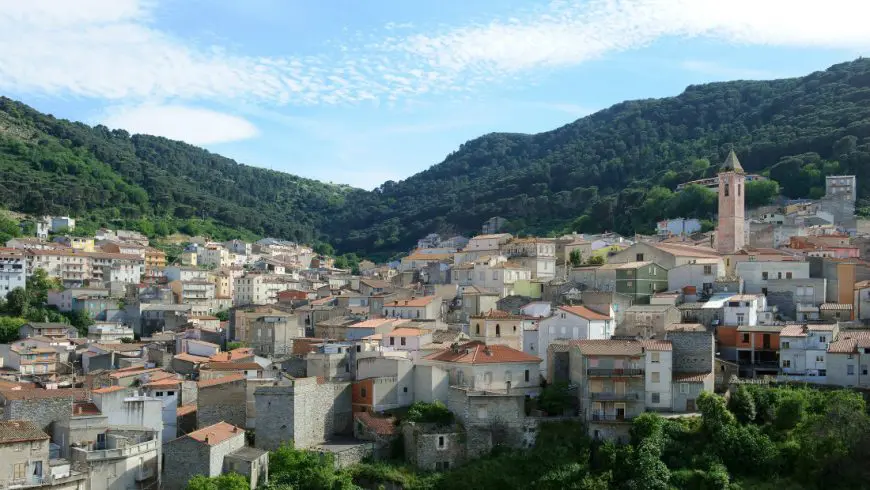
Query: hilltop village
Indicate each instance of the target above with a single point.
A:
(203, 364)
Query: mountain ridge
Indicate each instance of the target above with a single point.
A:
(608, 170)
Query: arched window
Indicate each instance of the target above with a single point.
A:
(477, 329)
(498, 330)
(738, 190)
(727, 189)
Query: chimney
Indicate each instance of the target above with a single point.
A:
(235, 429)
(229, 356)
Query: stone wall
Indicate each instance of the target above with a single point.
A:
(295, 366)
(693, 352)
(306, 412)
(342, 408)
(188, 392)
(41, 411)
(428, 447)
(353, 455)
(182, 460)
(489, 419)
(223, 402)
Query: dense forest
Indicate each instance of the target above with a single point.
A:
(776, 438)
(616, 169)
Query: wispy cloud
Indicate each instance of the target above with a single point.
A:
(193, 125)
(112, 49)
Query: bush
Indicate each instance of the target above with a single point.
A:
(429, 413)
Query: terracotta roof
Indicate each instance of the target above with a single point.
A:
(849, 340)
(412, 302)
(476, 352)
(27, 394)
(657, 345)
(120, 347)
(429, 257)
(233, 355)
(185, 410)
(184, 356)
(685, 327)
(609, 347)
(233, 366)
(124, 373)
(407, 332)
(821, 327)
(685, 250)
(835, 306)
(19, 431)
(376, 336)
(85, 409)
(794, 331)
(375, 283)
(375, 322)
(383, 426)
(9, 385)
(584, 312)
(216, 434)
(862, 284)
(109, 389)
(219, 381)
(690, 377)
(162, 383)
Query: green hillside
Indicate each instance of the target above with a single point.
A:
(615, 169)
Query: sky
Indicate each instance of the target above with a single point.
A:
(360, 92)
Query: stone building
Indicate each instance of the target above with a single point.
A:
(490, 419)
(42, 407)
(433, 447)
(306, 411)
(221, 400)
(24, 460)
(211, 451)
(648, 321)
(271, 335)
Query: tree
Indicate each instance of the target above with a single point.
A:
(9, 327)
(227, 481)
(575, 258)
(595, 260)
(17, 302)
(742, 405)
(305, 469)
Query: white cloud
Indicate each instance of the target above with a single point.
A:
(113, 49)
(190, 124)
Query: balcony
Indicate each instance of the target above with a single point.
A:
(126, 452)
(631, 396)
(611, 417)
(614, 372)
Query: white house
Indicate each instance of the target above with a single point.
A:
(700, 275)
(176, 273)
(742, 309)
(803, 351)
(406, 339)
(658, 366)
(574, 323)
(861, 301)
(259, 289)
(756, 274)
(536, 254)
(537, 309)
(13, 270)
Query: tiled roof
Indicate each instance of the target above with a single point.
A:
(609, 347)
(376, 336)
(821, 327)
(690, 377)
(160, 383)
(185, 410)
(184, 356)
(216, 434)
(657, 345)
(501, 315)
(374, 323)
(233, 355)
(793, 331)
(862, 284)
(685, 250)
(233, 366)
(219, 381)
(38, 393)
(633, 265)
(124, 373)
(85, 409)
(379, 425)
(584, 312)
(109, 389)
(835, 306)
(375, 283)
(479, 353)
(407, 332)
(19, 431)
(412, 302)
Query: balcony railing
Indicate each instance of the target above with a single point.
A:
(607, 395)
(611, 417)
(615, 372)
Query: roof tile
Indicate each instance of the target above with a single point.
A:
(476, 352)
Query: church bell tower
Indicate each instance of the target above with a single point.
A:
(729, 234)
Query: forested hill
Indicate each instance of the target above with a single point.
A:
(615, 169)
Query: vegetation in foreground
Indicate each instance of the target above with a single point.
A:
(765, 437)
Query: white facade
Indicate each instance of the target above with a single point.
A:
(803, 352)
(214, 256)
(258, 289)
(756, 274)
(125, 271)
(109, 333)
(537, 309)
(13, 271)
(658, 377)
(741, 309)
(59, 223)
(700, 275)
(567, 325)
(492, 273)
(174, 273)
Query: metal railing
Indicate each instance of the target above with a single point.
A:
(611, 417)
(607, 395)
(614, 372)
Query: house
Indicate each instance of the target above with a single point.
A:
(755, 348)
(109, 332)
(258, 289)
(31, 362)
(211, 451)
(271, 335)
(848, 358)
(667, 255)
(803, 351)
(756, 275)
(407, 338)
(700, 275)
(479, 366)
(185, 274)
(536, 254)
(647, 321)
(25, 460)
(640, 280)
(214, 370)
(155, 261)
(416, 308)
(57, 331)
(573, 323)
(499, 327)
(383, 382)
(835, 312)
(13, 270)
(366, 328)
(370, 287)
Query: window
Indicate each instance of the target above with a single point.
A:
(788, 275)
(392, 341)
(655, 356)
(494, 275)
(526, 375)
(18, 471)
(441, 442)
(359, 348)
(639, 257)
(850, 370)
(708, 269)
(477, 329)
(779, 275)
(786, 363)
(822, 359)
(746, 338)
(738, 189)
(656, 377)
(498, 330)
(159, 393)
(764, 275)
(684, 388)
(741, 319)
(656, 398)
(863, 369)
(822, 339)
(403, 340)
(532, 347)
(481, 412)
(170, 393)
(727, 189)
(405, 389)
(362, 392)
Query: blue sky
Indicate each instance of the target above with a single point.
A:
(360, 92)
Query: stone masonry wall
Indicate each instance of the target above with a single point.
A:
(275, 424)
(41, 411)
(422, 448)
(692, 351)
(224, 402)
(183, 459)
(305, 413)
